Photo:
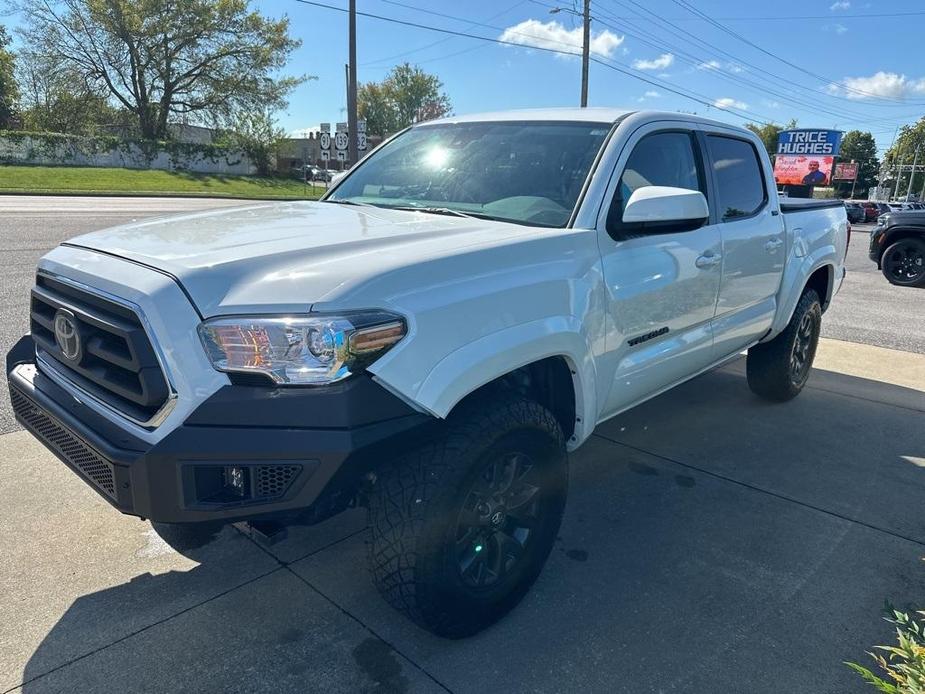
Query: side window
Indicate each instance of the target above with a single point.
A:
(661, 159)
(740, 190)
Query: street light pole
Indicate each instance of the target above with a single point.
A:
(585, 54)
(352, 87)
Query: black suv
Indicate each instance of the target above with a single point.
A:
(897, 245)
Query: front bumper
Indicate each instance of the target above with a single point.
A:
(301, 452)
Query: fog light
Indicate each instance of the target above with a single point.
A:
(235, 480)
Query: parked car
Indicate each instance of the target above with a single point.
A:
(855, 212)
(322, 175)
(871, 211)
(897, 245)
(427, 340)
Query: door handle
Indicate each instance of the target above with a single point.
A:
(708, 260)
(773, 245)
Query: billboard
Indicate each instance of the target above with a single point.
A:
(809, 141)
(801, 170)
(846, 171)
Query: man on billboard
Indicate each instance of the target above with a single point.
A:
(815, 177)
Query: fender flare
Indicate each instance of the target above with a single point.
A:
(477, 363)
(794, 282)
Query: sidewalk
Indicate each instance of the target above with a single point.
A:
(712, 542)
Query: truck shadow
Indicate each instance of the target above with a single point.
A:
(711, 539)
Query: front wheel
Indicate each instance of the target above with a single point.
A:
(461, 527)
(903, 263)
(778, 370)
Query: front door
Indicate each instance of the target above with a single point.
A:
(662, 287)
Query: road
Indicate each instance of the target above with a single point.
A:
(867, 310)
(712, 542)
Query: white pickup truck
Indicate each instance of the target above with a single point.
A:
(429, 340)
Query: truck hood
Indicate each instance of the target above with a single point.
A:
(285, 257)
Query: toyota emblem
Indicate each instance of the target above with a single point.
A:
(66, 335)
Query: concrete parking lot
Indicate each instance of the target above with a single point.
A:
(712, 543)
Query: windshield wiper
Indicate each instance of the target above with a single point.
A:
(448, 211)
(343, 201)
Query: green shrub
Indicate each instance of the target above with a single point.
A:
(903, 664)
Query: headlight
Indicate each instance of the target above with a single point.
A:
(312, 349)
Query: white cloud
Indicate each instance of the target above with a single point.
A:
(729, 102)
(554, 36)
(651, 94)
(716, 65)
(881, 84)
(840, 5)
(660, 63)
(837, 28)
(770, 103)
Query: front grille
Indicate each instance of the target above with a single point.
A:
(273, 480)
(61, 440)
(114, 361)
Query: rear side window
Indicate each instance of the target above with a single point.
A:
(739, 178)
(661, 159)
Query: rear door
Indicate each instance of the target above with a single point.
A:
(753, 241)
(661, 286)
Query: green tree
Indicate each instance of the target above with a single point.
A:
(158, 59)
(9, 91)
(256, 134)
(902, 153)
(407, 95)
(769, 132)
(860, 147)
(56, 98)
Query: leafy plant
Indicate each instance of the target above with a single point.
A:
(903, 664)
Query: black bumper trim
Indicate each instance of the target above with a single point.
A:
(152, 481)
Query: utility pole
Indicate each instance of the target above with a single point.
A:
(585, 54)
(352, 87)
(915, 163)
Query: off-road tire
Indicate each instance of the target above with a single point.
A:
(417, 501)
(914, 273)
(769, 365)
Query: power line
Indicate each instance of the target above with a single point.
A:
(613, 65)
(699, 62)
(440, 41)
(684, 4)
(685, 35)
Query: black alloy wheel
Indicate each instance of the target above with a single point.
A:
(497, 520)
(903, 262)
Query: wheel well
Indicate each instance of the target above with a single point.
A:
(547, 381)
(897, 235)
(821, 280)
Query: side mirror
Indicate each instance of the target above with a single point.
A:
(660, 206)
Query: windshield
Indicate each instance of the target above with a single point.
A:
(524, 172)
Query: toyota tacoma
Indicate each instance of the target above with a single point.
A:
(430, 340)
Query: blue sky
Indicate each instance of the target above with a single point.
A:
(876, 68)
(845, 70)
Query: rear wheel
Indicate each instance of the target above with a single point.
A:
(461, 527)
(778, 370)
(903, 263)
